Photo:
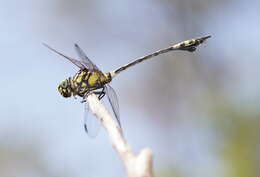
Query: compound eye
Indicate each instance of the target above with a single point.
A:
(64, 84)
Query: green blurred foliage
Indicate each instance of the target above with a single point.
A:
(172, 172)
(238, 127)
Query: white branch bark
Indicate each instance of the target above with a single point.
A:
(136, 165)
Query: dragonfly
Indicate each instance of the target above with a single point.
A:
(90, 79)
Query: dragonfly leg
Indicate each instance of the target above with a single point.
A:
(101, 93)
(83, 100)
(84, 97)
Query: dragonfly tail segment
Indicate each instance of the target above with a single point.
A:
(188, 45)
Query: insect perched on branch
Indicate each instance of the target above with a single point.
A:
(91, 79)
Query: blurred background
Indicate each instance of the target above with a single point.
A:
(198, 112)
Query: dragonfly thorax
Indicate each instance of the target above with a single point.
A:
(83, 82)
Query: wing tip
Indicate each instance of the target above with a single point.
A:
(46, 45)
(85, 128)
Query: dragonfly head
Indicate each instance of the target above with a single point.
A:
(65, 89)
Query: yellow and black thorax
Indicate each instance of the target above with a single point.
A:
(84, 81)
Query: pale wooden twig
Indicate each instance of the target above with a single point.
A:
(136, 165)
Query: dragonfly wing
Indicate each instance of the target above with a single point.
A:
(112, 98)
(74, 61)
(84, 59)
(91, 124)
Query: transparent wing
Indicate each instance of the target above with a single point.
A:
(74, 61)
(84, 59)
(91, 124)
(112, 98)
